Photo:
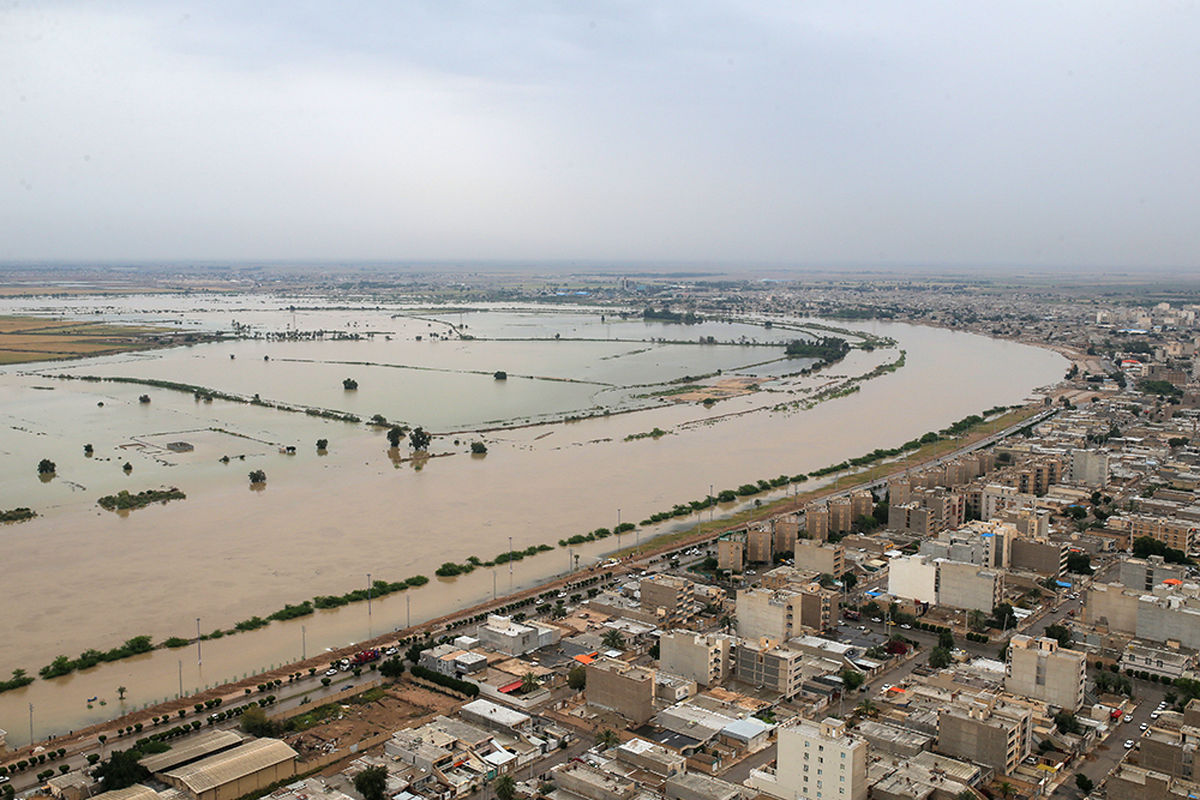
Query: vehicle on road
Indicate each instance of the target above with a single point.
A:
(1128, 744)
(329, 673)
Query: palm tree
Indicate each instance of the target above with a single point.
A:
(867, 708)
(608, 738)
(504, 787)
(613, 640)
(529, 682)
(121, 692)
(1006, 789)
(975, 619)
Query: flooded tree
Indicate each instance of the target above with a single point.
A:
(419, 439)
(322, 445)
(394, 435)
(478, 448)
(258, 476)
(349, 384)
(46, 467)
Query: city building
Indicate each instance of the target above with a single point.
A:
(703, 658)
(913, 577)
(1043, 557)
(1041, 669)
(670, 599)
(236, 772)
(764, 663)
(760, 545)
(1146, 573)
(731, 551)
(968, 586)
(502, 634)
(1089, 468)
(989, 732)
(815, 761)
(841, 515)
(816, 521)
(820, 557)
(624, 688)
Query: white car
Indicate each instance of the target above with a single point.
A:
(1129, 744)
(331, 672)
(1143, 726)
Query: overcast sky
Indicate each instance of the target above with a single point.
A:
(790, 133)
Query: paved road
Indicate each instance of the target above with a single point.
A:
(1111, 750)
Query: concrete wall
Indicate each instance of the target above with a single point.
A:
(914, 578)
(967, 586)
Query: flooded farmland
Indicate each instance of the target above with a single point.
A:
(558, 463)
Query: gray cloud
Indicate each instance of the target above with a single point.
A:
(792, 133)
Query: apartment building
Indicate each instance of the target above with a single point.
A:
(731, 551)
(913, 577)
(1041, 669)
(968, 586)
(1146, 573)
(1168, 612)
(1180, 534)
(1043, 557)
(764, 663)
(816, 521)
(703, 658)
(841, 515)
(988, 732)
(669, 598)
(760, 545)
(624, 688)
(820, 557)
(785, 531)
(1089, 468)
(816, 761)
(985, 544)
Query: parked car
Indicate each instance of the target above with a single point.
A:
(876, 619)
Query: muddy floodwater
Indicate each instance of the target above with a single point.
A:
(78, 576)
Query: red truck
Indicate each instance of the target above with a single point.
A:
(365, 657)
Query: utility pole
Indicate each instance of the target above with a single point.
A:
(303, 643)
(199, 660)
(368, 605)
(31, 724)
(493, 586)
(181, 677)
(510, 560)
(408, 611)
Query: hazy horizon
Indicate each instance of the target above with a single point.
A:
(924, 138)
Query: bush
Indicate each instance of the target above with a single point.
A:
(463, 687)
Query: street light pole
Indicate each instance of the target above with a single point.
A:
(31, 724)
(510, 560)
(303, 643)
(368, 605)
(181, 677)
(407, 611)
(199, 660)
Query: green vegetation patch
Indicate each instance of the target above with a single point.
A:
(17, 514)
(123, 500)
(657, 433)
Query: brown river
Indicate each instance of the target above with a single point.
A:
(79, 577)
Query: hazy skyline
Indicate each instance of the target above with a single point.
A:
(797, 134)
